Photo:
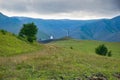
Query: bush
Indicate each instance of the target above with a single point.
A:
(3, 31)
(101, 50)
(109, 53)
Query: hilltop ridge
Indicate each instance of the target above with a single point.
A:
(98, 29)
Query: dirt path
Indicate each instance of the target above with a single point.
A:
(48, 49)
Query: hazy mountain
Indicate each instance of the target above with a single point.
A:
(14, 24)
(9, 23)
(100, 29)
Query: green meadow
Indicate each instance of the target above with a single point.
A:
(59, 60)
(11, 45)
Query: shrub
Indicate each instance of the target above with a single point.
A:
(3, 31)
(109, 53)
(101, 50)
(71, 47)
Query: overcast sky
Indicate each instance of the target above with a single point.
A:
(61, 9)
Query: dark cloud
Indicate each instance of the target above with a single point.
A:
(95, 7)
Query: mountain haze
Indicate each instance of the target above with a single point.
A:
(99, 29)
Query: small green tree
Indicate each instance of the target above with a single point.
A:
(29, 32)
(109, 53)
(101, 50)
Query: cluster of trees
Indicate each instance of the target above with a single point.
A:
(103, 50)
(29, 32)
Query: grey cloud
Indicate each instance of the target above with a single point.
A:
(61, 6)
(12, 5)
(103, 7)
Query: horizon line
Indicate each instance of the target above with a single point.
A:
(60, 18)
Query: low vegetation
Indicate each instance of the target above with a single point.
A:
(11, 45)
(3, 31)
(103, 50)
(63, 60)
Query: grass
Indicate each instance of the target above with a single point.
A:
(10, 45)
(86, 46)
(58, 61)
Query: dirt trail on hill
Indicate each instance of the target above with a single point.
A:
(48, 49)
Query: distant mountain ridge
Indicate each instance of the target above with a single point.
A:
(99, 29)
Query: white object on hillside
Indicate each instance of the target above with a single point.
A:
(51, 37)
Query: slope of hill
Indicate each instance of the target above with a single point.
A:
(11, 45)
(58, 61)
(100, 29)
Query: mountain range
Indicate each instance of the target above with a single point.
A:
(97, 29)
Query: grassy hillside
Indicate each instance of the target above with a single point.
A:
(88, 47)
(58, 61)
(11, 45)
